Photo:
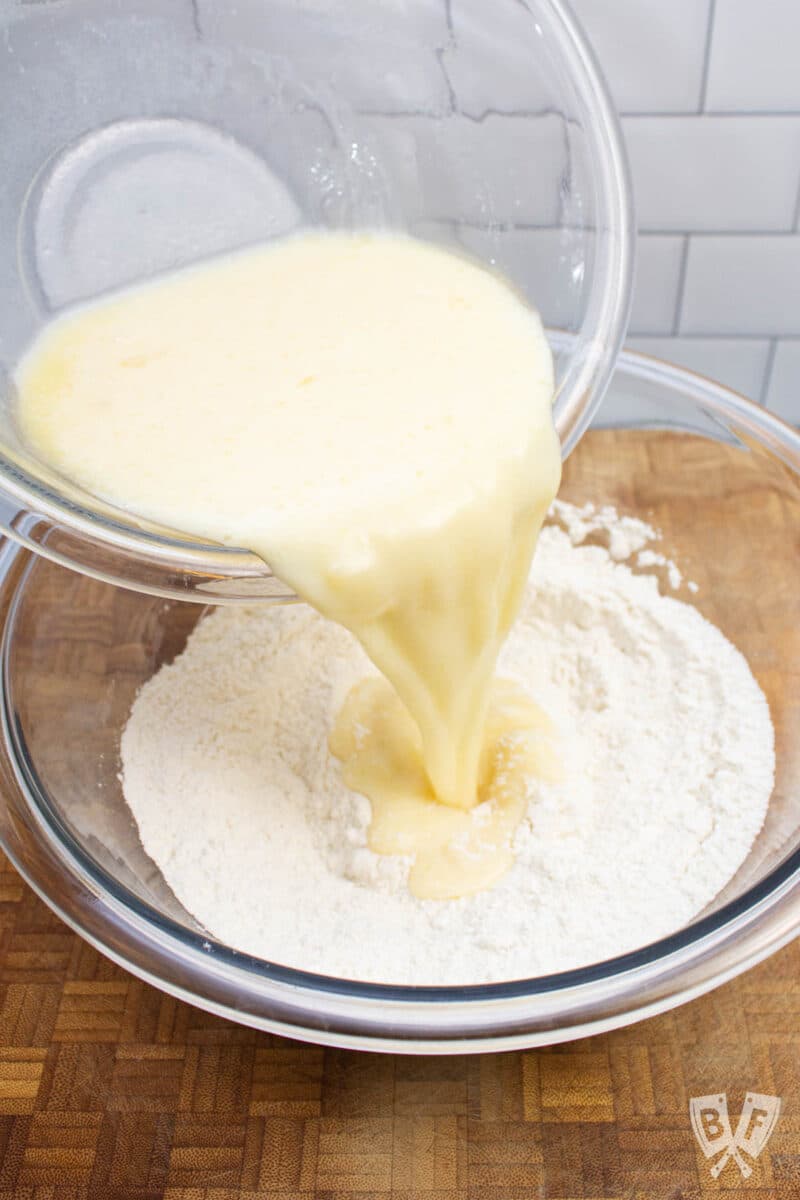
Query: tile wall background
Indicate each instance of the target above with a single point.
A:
(709, 93)
(709, 96)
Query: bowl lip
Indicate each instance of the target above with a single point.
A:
(195, 559)
(325, 1008)
(590, 376)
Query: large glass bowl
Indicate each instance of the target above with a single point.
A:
(718, 475)
(140, 135)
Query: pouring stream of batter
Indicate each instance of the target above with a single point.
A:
(372, 415)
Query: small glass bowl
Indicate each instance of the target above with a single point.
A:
(718, 475)
(141, 136)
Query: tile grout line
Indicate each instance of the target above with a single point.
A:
(717, 233)
(725, 114)
(712, 5)
(448, 17)
(676, 320)
(406, 114)
(533, 227)
(451, 95)
(532, 114)
(442, 50)
(725, 336)
(769, 367)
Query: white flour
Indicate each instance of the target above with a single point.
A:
(665, 736)
(624, 535)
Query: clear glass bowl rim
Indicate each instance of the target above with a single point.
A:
(404, 1019)
(201, 567)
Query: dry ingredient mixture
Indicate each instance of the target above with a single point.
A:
(664, 737)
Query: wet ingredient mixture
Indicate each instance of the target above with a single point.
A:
(373, 416)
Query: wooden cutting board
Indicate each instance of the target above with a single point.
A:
(108, 1088)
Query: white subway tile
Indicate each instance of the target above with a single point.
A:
(714, 173)
(496, 61)
(373, 55)
(651, 53)
(738, 363)
(783, 396)
(548, 265)
(655, 289)
(742, 285)
(502, 170)
(754, 56)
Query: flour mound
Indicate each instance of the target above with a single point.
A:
(665, 737)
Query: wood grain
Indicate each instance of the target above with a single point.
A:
(108, 1088)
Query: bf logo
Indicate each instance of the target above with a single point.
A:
(712, 1128)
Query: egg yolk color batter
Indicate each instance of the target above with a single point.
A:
(373, 416)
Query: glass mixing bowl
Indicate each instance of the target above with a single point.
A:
(140, 135)
(718, 475)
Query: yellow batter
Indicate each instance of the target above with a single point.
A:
(372, 415)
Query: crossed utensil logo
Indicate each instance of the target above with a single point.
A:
(712, 1128)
